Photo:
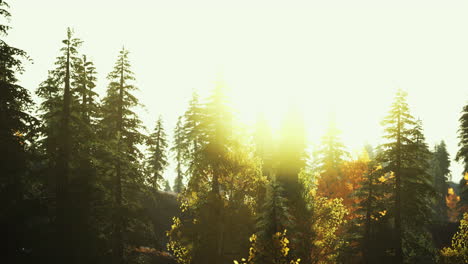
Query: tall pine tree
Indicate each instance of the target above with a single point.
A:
(406, 156)
(120, 128)
(16, 127)
(157, 160)
(179, 149)
(440, 171)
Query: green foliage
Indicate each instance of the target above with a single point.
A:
(440, 164)
(406, 155)
(462, 154)
(157, 160)
(179, 149)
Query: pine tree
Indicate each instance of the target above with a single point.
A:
(274, 217)
(59, 138)
(398, 132)
(179, 149)
(291, 160)
(16, 132)
(372, 206)
(120, 128)
(192, 142)
(406, 155)
(331, 158)
(84, 186)
(223, 174)
(265, 150)
(157, 160)
(462, 154)
(167, 186)
(440, 170)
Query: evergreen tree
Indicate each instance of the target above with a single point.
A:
(264, 149)
(85, 184)
(59, 139)
(179, 149)
(291, 160)
(462, 154)
(16, 133)
(373, 203)
(273, 217)
(120, 129)
(167, 186)
(440, 170)
(398, 132)
(192, 141)
(331, 157)
(157, 160)
(223, 176)
(406, 155)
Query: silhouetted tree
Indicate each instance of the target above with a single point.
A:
(120, 127)
(157, 160)
(179, 149)
(440, 171)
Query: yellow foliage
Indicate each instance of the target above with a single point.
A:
(450, 191)
(280, 250)
(458, 252)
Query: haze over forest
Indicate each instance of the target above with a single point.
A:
(214, 132)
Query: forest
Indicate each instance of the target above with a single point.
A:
(82, 180)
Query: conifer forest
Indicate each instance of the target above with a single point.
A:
(86, 178)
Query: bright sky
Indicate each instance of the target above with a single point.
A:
(327, 57)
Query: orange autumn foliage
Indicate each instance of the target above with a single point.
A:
(451, 200)
(341, 183)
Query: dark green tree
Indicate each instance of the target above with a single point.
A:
(59, 138)
(157, 160)
(167, 186)
(16, 133)
(397, 131)
(440, 171)
(179, 149)
(192, 141)
(462, 154)
(406, 156)
(120, 130)
(84, 186)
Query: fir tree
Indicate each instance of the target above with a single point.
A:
(192, 141)
(157, 160)
(398, 131)
(330, 161)
(120, 129)
(167, 186)
(16, 133)
(179, 149)
(59, 138)
(406, 156)
(440, 170)
(291, 160)
(462, 154)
